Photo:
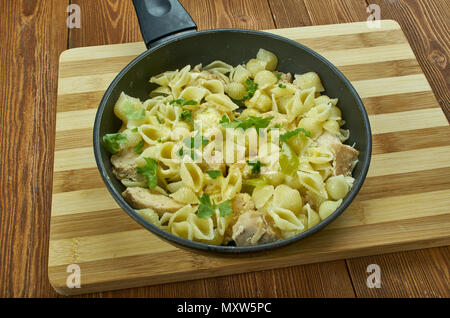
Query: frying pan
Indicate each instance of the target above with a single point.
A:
(173, 42)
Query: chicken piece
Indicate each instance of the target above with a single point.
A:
(124, 165)
(308, 199)
(327, 140)
(141, 198)
(346, 157)
(252, 228)
(280, 119)
(240, 204)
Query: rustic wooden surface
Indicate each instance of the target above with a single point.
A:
(391, 213)
(33, 35)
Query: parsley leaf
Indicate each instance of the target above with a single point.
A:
(225, 208)
(138, 148)
(214, 173)
(183, 152)
(186, 116)
(238, 102)
(182, 102)
(195, 142)
(112, 142)
(251, 89)
(134, 130)
(206, 209)
(133, 114)
(256, 166)
(289, 134)
(149, 171)
(279, 75)
(246, 123)
(281, 86)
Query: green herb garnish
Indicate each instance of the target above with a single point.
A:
(225, 208)
(281, 86)
(279, 76)
(112, 142)
(138, 148)
(206, 208)
(183, 152)
(132, 114)
(251, 89)
(159, 120)
(238, 102)
(149, 171)
(256, 166)
(214, 173)
(195, 142)
(289, 134)
(134, 130)
(182, 102)
(186, 116)
(246, 123)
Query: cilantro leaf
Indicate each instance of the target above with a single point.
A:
(138, 148)
(186, 116)
(149, 171)
(112, 142)
(246, 123)
(289, 134)
(182, 102)
(190, 102)
(214, 173)
(256, 166)
(177, 102)
(251, 89)
(238, 102)
(206, 209)
(225, 208)
(195, 142)
(183, 152)
(132, 114)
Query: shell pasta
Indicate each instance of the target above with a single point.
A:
(233, 155)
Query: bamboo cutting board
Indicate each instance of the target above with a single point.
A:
(404, 203)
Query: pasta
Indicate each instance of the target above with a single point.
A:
(227, 155)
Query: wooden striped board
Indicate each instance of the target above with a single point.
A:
(404, 203)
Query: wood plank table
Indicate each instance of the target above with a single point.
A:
(33, 35)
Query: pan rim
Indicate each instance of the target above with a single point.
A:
(192, 245)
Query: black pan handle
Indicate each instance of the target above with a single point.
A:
(159, 19)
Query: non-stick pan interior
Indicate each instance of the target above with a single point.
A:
(234, 47)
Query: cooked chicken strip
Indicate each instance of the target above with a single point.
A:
(141, 198)
(124, 165)
(252, 228)
(346, 157)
